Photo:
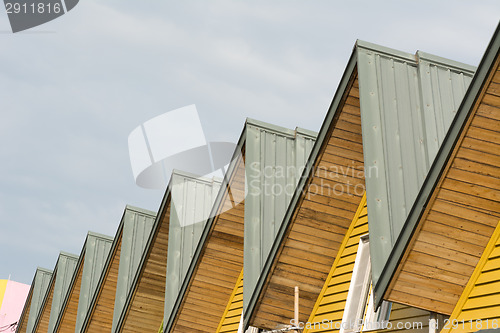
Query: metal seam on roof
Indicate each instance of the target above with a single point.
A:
(406, 110)
(191, 202)
(273, 160)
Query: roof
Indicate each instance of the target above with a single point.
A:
(274, 159)
(356, 136)
(478, 199)
(88, 269)
(34, 300)
(58, 286)
(115, 278)
(193, 197)
(407, 105)
(218, 260)
(191, 203)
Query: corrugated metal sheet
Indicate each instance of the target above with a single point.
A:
(137, 225)
(96, 252)
(407, 105)
(274, 160)
(64, 271)
(192, 199)
(40, 284)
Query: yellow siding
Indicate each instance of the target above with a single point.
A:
(329, 307)
(231, 318)
(3, 286)
(479, 305)
(331, 301)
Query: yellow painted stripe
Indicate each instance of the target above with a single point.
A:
(3, 287)
(231, 318)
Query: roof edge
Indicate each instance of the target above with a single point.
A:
(45, 270)
(271, 127)
(305, 132)
(385, 50)
(446, 62)
(69, 255)
(193, 176)
(98, 235)
(140, 210)
(437, 167)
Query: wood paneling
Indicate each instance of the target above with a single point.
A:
(100, 318)
(331, 301)
(219, 264)
(23, 325)
(144, 313)
(68, 314)
(42, 323)
(479, 304)
(320, 221)
(461, 215)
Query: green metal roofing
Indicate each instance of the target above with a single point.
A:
(137, 224)
(274, 160)
(134, 228)
(37, 293)
(401, 95)
(192, 199)
(60, 278)
(436, 170)
(270, 129)
(93, 256)
(407, 105)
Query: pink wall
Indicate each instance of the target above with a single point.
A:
(13, 302)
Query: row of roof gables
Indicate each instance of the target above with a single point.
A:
(389, 80)
(87, 272)
(399, 94)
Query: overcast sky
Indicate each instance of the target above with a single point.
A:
(73, 89)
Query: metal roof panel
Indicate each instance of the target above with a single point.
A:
(407, 105)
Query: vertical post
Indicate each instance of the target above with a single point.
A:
(296, 307)
(433, 323)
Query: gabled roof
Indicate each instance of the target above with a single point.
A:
(407, 105)
(274, 159)
(458, 205)
(87, 272)
(187, 202)
(58, 286)
(38, 288)
(218, 260)
(361, 127)
(121, 264)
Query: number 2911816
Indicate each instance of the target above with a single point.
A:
(33, 8)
